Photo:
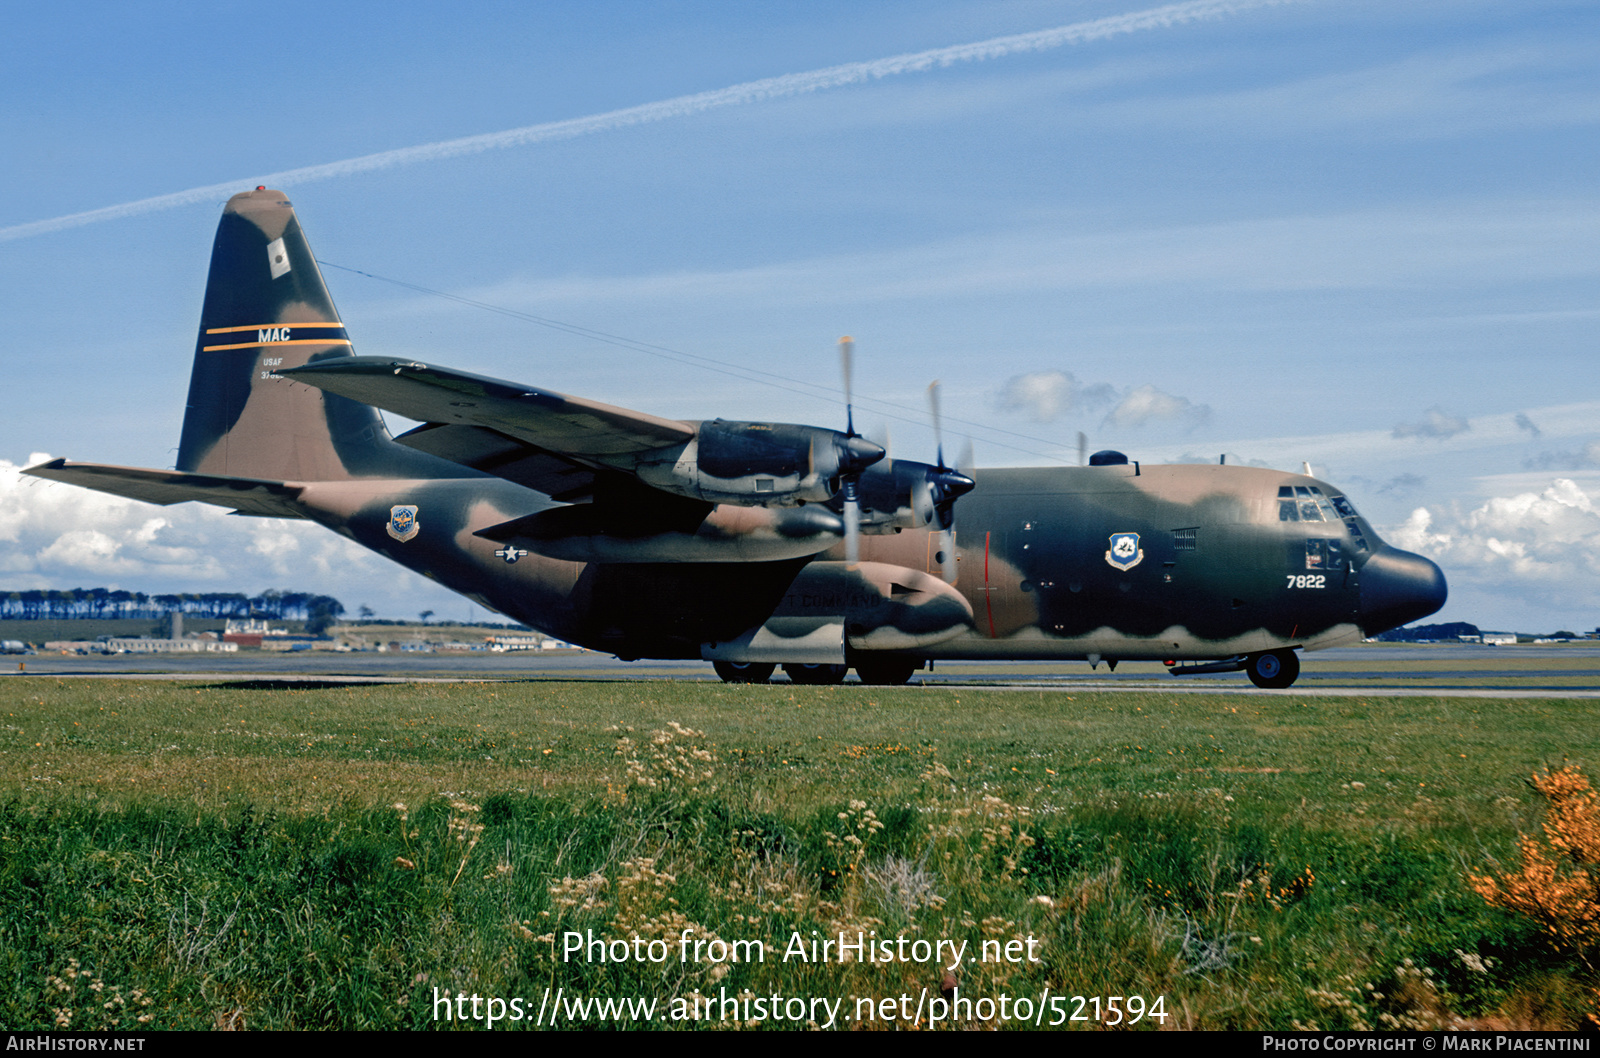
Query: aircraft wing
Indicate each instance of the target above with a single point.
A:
(582, 431)
(492, 452)
(268, 499)
(572, 449)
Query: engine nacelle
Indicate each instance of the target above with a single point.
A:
(760, 464)
(909, 495)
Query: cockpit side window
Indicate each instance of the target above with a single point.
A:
(1288, 507)
(1347, 510)
(1325, 554)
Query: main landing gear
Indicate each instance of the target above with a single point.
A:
(880, 672)
(743, 671)
(816, 675)
(886, 672)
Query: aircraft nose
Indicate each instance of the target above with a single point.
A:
(1398, 587)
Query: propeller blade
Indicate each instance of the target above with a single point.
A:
(858, 455)
(847, 355)
(946, 485)
(966, 460)
(1083, 449)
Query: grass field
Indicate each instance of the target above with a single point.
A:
(272, 855)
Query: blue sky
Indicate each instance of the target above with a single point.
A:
(1362, 235)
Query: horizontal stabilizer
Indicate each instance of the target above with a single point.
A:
(269, 499)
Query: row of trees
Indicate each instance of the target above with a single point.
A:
(37, 604)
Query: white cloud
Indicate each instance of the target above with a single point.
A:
(1543, 547)
(1044, 395)
(1146, 403)
(54, 535)
(1047, 395)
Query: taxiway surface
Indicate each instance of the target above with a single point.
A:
(1545, 670)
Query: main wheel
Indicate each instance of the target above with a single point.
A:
(1275, 669)
(885, 672)
(743, 671)
(816, 674)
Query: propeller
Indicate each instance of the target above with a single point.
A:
(945, 485)
(850, 468)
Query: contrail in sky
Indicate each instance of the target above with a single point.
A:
(682, 106)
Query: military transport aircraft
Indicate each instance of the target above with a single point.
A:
(747, 544)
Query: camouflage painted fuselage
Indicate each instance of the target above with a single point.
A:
(1216, 571)
(614, 529)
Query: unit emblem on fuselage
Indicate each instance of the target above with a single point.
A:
(403, 523)
(1125, 551)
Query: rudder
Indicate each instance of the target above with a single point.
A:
(266, 309)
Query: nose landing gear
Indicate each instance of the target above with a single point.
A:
(1274, 669)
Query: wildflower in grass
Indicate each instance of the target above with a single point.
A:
(104, 1007)
(672, 760)
(644, 904)
(849, 842)
(581, 896)
(464, 830)
(1556, 885)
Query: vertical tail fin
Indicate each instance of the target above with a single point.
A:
(266, 309)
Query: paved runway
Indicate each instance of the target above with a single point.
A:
(1544, 670)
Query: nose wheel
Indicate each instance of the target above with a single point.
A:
(1274, 669)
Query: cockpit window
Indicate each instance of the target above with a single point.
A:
(1310, 511)
(1306, 503)
(1359, 541)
